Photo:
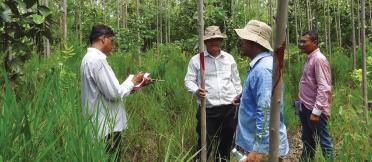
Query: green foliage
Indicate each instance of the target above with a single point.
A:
(356, 77)
(22, 25)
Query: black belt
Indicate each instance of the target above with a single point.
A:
(241, 150)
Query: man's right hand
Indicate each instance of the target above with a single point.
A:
(201, 93)
(236, 100)
(137, 79)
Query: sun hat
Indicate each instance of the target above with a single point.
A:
(212, 32)
(258, 32)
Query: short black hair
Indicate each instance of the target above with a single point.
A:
(99, 30)
(313, 36)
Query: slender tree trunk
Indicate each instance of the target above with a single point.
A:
(336, 24)
(325, 26)
(359, 26)
(353, 35)
(104, 8)
(329, 31)
(287, 49)
(166, 21)
(200, 5)
(46, 40)
(296, 19)
(271, 19)
(61, 29)
(364, 58)
(280, 21)
(339, 23)
(258, 10)
(308, 15)
(64, 21)
(138, 33)
(370, 16)
(118, 14)
(157, 23)
(169, 22)
(161, 20)
(79, 4)
(125, 14)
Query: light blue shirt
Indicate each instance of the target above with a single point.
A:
(252, 133)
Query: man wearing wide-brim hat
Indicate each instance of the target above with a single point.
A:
(222, 84)
(252, 134)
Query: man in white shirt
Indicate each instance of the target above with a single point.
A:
(222, 84)
(101, 92)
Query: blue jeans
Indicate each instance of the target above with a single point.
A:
(309, 133)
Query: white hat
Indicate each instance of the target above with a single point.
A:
(212, 32)
(256, 31)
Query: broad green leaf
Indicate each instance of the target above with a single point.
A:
(29, 3)
(6, 15)
(38, 19)
(45, 11)
(21, 5)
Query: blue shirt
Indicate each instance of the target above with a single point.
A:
(252, 133)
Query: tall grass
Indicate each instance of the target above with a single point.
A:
(41, 120)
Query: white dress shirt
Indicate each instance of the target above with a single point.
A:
(221, 78)
(102, 95)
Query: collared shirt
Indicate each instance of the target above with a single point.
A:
(316, 84)
(101, 94)
(252, 132)
(221, 78)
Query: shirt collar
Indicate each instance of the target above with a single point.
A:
(222, 53)
(97, 51)
(313, 53)
(258, 57)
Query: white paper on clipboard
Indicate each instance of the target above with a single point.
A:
(130, 77)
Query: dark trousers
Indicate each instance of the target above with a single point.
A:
(113, 142)
(310, 133)
(220, 131)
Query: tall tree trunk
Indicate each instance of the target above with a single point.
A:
(169, 22)
(138, 33)
(370, 16)
(339, 23)
(46, 40)
(78, 5)
(359, 26)
(158, 22)
(296, 19)
(329, 31)
(280, 33)
(258, 10)
(353, 35)
(325, 25)
(125, 14)
(308, 15)
(166, 20)
(64, 21)
(270, 19)
(161, 20)
(336, 23)
(200, 5)
(118, 14)
(364, 58)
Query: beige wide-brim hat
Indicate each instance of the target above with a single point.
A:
(213, 32)
(258, 32)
